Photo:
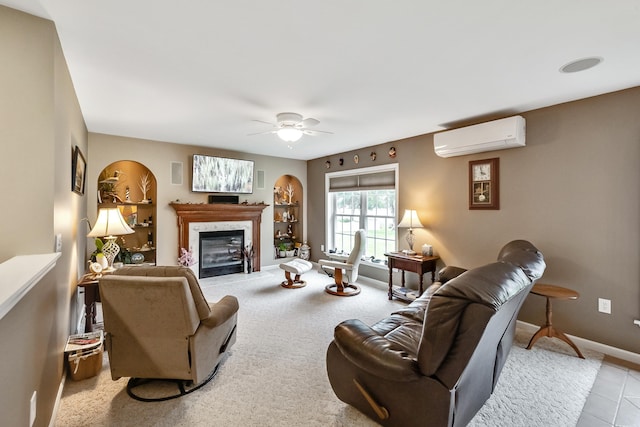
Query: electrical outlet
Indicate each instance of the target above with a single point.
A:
(58, 242)
(321, 248)
(604, 305)
(32, 408)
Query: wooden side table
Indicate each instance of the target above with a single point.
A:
(550, 292)
(89, 282)
(415, 263)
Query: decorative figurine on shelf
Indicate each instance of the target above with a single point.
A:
(186, 258)
(145, 186)
(290, 230)
(108, 187)
(285, 216)
(127, 199)
(305, 251)
(277, 195)
(290, 193)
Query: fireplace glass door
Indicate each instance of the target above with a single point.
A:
(221, 253)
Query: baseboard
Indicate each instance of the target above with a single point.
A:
(56, 406)
(591, 345)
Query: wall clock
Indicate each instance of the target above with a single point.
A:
(484, 184)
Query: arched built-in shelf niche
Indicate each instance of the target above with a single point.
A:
(287, 216)
(132, 187)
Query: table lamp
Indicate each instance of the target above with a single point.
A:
(110, 224)
(410, 220)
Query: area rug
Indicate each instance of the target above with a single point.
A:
(275, 374)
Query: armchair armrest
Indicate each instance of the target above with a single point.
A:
(221, 311)
(335, 264)
(372, 352)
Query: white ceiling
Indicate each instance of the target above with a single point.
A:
(199, 71)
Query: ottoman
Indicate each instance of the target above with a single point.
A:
(298, 267)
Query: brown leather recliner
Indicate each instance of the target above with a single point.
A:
(159, 325)
(435, 362)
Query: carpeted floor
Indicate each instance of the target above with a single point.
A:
(275, 374)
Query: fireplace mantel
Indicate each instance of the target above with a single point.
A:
(214, 212)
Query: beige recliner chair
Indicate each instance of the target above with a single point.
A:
(346, 270)
(158, 325)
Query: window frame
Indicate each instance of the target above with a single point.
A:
(329, 204)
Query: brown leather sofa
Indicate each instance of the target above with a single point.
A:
(159, 325)
(436, 361)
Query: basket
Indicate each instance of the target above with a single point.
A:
(85, 364)
(85, 355)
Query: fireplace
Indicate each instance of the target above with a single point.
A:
(197, 218)
(221, 253)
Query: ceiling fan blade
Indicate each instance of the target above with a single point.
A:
(308, 123)
(262, 133)
(315, 132)
(262, 121)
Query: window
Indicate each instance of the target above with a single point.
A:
(363, 199)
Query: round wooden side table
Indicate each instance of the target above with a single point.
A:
(550, 292)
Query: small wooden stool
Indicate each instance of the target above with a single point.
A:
(558, 292)
(296, 266)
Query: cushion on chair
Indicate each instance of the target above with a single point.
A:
(296, 266)
(202, 306)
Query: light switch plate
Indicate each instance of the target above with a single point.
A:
(604, 305)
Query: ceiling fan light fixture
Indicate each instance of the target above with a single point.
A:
(289, 134)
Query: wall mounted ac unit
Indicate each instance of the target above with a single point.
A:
(494, 135)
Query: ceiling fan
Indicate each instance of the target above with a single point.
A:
(291, 126)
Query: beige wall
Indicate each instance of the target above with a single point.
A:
(27, 133)
(41, 121)
(573, 191)
(157, 156)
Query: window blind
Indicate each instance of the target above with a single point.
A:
(384, 180)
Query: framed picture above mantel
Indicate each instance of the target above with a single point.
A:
(484, 184)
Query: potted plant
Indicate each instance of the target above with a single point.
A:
(282, 248)
(97, 255)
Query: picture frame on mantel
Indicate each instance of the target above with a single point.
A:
(484, 184)
(78, 172)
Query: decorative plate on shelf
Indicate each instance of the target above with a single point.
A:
(137, 258)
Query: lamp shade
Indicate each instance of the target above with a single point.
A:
(410, 220)
(110, 223)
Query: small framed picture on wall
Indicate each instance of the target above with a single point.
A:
(484, 184)
(78, 172)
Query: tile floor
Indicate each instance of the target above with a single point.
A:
(615, 397)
